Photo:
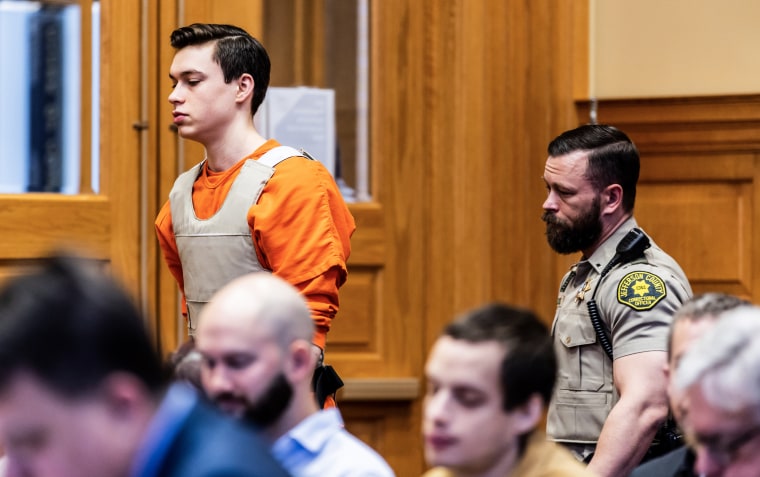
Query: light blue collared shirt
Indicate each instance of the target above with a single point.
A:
(319, 446)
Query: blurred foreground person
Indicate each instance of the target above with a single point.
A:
(695, 318)
(82, 391)
(489, 379)
(720, 379)
(254, 338)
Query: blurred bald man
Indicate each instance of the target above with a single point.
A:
(254, 337)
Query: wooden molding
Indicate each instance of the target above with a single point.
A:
(379, 389)
(685, 124)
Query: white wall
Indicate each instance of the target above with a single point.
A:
(660, 48)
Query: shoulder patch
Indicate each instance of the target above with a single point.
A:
(641, 290)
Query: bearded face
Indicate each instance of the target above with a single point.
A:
(270, 406)
(570, 236)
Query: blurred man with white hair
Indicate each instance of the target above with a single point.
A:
(694, 319)
(720, 378)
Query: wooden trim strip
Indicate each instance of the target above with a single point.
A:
(379, 389)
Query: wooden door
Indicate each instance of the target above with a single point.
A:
(698, 190)
(106, 224)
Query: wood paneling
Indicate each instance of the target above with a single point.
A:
(465, 98)
(698, 191)
(28, 239)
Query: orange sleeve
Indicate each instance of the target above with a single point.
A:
(323, 302)
(302, 232)
(165, 235)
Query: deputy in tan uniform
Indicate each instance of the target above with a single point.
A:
(610, 398)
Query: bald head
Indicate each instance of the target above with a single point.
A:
(259, 302)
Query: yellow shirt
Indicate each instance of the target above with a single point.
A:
(541, 459)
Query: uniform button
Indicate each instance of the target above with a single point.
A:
(568, 340)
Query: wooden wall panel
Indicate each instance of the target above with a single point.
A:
(698, 193)
(465, 98)
(704, 227)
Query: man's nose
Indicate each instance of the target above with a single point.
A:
(217, 380)
(436, 408)
(175, 96)
(551, 201)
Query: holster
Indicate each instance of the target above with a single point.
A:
(325, 382)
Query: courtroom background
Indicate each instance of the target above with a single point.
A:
(463, 97)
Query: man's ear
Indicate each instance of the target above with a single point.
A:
(612, 198)
(301, 362)
(245, 85)
(526, 417)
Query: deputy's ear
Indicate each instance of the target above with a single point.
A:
(612, 198)
(527, 416)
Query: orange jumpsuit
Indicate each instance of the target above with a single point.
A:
(301, 229)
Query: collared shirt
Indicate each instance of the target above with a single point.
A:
(168, 420)
(319, 446)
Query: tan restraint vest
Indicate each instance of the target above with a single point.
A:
(216, 250)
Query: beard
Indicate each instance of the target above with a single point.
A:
(569, 237)
(271, 405)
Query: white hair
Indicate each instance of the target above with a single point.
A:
(725, 362)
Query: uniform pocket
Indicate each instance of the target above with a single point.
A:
(581, 358)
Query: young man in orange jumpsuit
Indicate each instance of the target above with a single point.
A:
(251, 204)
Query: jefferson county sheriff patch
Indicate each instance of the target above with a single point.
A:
(641, 290)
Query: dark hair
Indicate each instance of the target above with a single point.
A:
(184, 365)
(69, 324)
(612, 157)
(529, 365)
(236, 52)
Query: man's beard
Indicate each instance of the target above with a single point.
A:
(271, 405)
(566, 237)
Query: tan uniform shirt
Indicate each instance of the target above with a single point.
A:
(541, 459)
(636, 301)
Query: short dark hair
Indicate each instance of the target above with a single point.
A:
(529, 365)
(612, 157)
(70, 324)
(236, 52)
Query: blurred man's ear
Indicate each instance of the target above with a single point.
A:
(124, 395)
(301, 360)
(528, 415)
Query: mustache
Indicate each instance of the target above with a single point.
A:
(551, 218)
(227, 397)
